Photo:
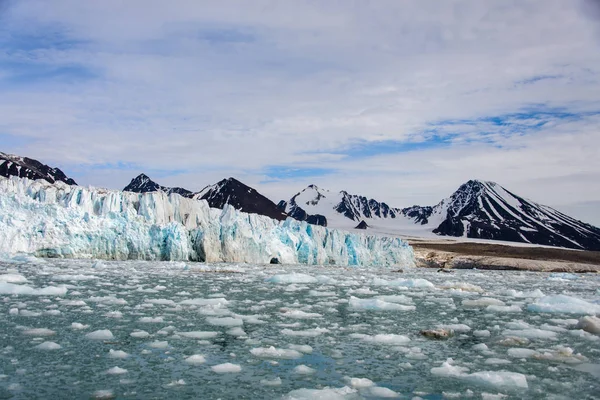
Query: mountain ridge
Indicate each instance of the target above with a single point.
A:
(24, 167)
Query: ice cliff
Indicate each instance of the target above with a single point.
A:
(57, 220)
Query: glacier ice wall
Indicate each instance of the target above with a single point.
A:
(57, 220)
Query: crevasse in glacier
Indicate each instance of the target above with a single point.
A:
(57, 220)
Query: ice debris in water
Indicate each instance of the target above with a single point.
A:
(497, 379)
(48, 346)
(155, 226)
(564, 304)
(195, 359)
(25, 290)
(226, 368)
(102, 334)
(377, 305)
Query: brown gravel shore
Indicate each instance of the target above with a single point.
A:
(467, 255)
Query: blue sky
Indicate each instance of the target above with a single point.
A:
(402, 101)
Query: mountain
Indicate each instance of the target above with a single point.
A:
(486, 210)
(143, 184)
(315, 205)
(478, 209)
(23, 167)
(242, 197)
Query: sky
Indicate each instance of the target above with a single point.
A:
(401, 101)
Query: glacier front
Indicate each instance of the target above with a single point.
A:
(58, 220)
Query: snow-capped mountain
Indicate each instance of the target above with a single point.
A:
(143, 184)
(315, 205)
(478, 209)
(242, 197)
(23, 167)
(486, 210)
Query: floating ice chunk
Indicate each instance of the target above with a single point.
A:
(48, 346)
(482, 333)
(359, 383)
(299, 314)
(314, 332)
(39, 332)
(139, 334)
(10, 288)
(589, 324)
(480, 347)
(462, 286)
(380, 392)
(303, 348)
(461, 328)
(482, 302)
(220, 301)
(237, 331)
(516, 293)
(73, 277)
(157, 344)
(562, 276)
(114, 314)
(387, 339)
(377, 305)
(79, 326)
(226, 321)
(271, 382)
(118, 354)
(226, 368)
(108, 300)
(102, 334)
(13, 278)
(397, 298)
(507, 309)
(531, 333)
(116, 371)
(448, 370)
(179, 382)
(520, 353)
(564, 304)
(151, 320)
(199, 334)
(195, 359)
(321, 394)
(304, 370)
(73, 303)
(292, 278)
(498, 379)
(272, 352)
(411, 283)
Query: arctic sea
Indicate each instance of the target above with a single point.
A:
(145, 330)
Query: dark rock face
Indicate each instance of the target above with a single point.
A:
(143, 184)
(293, 210)
(419, 214)
(485, 210)
(23, 167)
(241, 197)
(362, 225)
(357, 207)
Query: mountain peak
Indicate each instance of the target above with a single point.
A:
(23, 167)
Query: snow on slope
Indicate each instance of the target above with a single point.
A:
(477, 210)
(71, 221)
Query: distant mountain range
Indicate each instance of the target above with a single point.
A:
(478, 209)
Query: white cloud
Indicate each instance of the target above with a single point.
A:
(212, 89)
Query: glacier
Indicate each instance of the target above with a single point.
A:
(58, 220)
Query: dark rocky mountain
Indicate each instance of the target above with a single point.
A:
(23, 167)
(486, 210)
(142, 184)
(241, 197)
(362, 225)
(354, 207)
(478, 209)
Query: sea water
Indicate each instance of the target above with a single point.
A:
(98, 329)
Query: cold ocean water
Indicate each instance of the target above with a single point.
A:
(97, 329)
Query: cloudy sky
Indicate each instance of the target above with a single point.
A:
(398, 100)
